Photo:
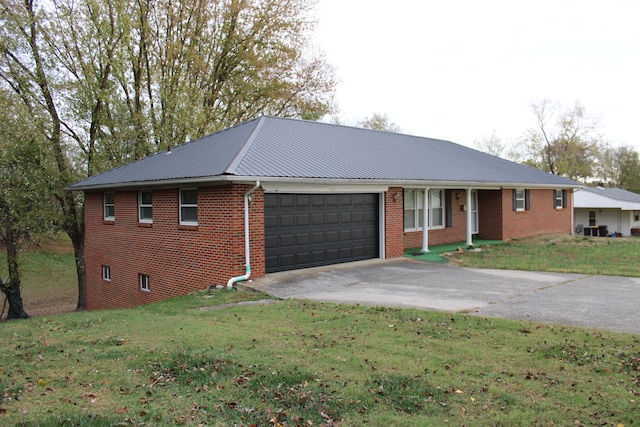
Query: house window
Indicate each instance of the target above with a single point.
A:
(109, 206)
(436, 208)
(106, 273)
(145, 206)
(144, 282)
(189, 207)
(519, 200)
(413, 209)
(636, 215)
(558, 199)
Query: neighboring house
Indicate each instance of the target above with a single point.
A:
(613, 209)
(309, 194)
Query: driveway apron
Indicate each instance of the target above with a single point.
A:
(605, 302)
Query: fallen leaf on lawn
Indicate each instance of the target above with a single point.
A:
(463, 410)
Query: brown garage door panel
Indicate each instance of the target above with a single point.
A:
(307, 230)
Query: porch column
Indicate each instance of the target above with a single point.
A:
(469, 220)
(425, 222)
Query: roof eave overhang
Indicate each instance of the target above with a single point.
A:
(223, 179)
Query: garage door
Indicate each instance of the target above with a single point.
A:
(308, 230)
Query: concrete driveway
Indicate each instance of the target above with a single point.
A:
(605, 302)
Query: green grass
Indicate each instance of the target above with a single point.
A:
(48, 277)
(298, 363)
(559, 253)
(306, 363)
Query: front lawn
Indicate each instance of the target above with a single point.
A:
(559, 253)
(301, 363)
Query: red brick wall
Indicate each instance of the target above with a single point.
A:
(394, 222)
(490, 211)
(178, 259)
(183, 259)
(542, 218)
(497, 220)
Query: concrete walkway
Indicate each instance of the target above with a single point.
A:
(604, 302)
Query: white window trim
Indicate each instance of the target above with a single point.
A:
(146, 205)
(557, 199)
(187, 205)
(105, 205)
(144, 282)
(418, 207)
(106, 273)
(523, 198)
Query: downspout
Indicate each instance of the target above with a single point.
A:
(247, 266)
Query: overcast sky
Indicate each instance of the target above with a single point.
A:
(461, 69)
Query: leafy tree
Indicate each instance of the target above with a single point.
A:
(379, 122)
(564, 142)
(619, 167)
(25, 206)
(115, 80)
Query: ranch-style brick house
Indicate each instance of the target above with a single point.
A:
(276, 194)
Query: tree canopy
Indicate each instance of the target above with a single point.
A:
(568, 142)
(111, 81)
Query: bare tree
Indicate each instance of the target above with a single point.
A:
(379, 121)
(564, 142)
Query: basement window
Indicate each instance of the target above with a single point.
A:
(106, 273)
(144, 282)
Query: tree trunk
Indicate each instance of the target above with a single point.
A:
(11, 289)
(81, 270)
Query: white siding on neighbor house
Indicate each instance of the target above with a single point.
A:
(616, 220)
(609, 217)
(618, 215)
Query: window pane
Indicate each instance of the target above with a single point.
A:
(145, 197)
(189, 197)
(520, 200)
(436, 198)
(437, 217)
(420, 217)
(409, 219)
(146, 213)
(189, 214)
(408, 199)
(109, 211)
(108, 198)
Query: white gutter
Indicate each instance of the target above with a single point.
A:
(247, 266)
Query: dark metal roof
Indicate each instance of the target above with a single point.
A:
(272, 147)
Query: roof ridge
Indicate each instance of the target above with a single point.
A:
(231, 167)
